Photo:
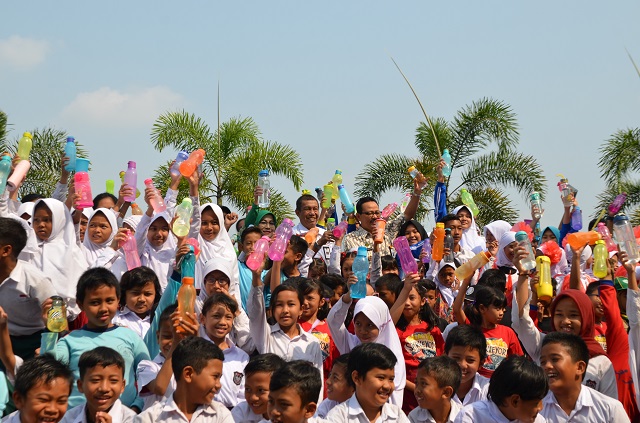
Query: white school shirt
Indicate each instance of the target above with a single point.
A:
(232, 381)
(325, 406)
(633, 314)
(487, 412)
(119, 414)
(128, 319)
(422, 415)
(146, 372)
(478, 391)
(242, 413)
(167, 411)
(324, 252)
(591, 406)
(351, 411)
(12, 418)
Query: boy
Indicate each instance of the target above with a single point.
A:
(102, 382)
(371, 371)
(41, 390)
(468, 347)
(98, 295)
(387, 286)
(256, 388)
(197, 368)
(339, 389)
(248, 240)
(564, 358)
(284, 269)
(461, 255)
(437, 382)
(293, 392)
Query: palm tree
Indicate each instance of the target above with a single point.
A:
(235, 153)
(484, 173)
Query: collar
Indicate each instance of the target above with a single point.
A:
(126, 311)
(203, 334)
(303, 334)
(355, 409)
(585, 399)
(100, 330)
(16, 273)
(159, 359)
(115, 412)
(171, 406)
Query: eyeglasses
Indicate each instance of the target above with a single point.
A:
(267, 223)
(373, 213)
(214, 281)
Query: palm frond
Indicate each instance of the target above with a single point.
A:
(182, 131)
(426, 144)
(619, 156)
(493, 204)
(3, 126)
(387, 172)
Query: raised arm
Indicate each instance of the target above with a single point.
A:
(574, 278)
(410, 282)
(458, 312)
(412, 207)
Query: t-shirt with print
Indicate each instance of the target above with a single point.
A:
(502, 342)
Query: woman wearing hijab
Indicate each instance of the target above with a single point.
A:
(471, 240)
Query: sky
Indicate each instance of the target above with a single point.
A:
(317, 76)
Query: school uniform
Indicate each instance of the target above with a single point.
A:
(591, 406)
(12, 418)
(242, 413)
(119, 414)
(146, 372)
(128, 319)
(422, 415)
(325, 407)
(487, 412)
(167, 411)
(232, 381)
(351, 411)
(478, 391)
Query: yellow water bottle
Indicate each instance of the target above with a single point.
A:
(600, 255)
(57, 315)
(545, 289)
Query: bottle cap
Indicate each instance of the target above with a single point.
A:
(28, 135)
(620, 218)
(182, 156)
(264, 172)
(440, 225)
(131, 165)
(148, 181)
(411, 169)
(599, 242)
(338, 172)
(187, 200)
(463, 190)
(341, 186)
(362, 251)
(535, 195)
(187, 280)
(447, 231)
(6, 157)
(56, 298)
(82, 165)
(331, 219)
(543, 259)
(521, 235)
(71, 139)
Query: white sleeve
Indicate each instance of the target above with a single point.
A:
(258, 319)
(60, 192)
(141, 233)
(334, 261)
(196, 219)
(633, 312)
(339, 332)
(146, 372)
(527, 332)
(171, 200)
(241, 333)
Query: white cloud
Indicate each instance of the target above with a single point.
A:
(111, 108)
(23, 53)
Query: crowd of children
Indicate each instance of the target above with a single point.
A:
(285, 341)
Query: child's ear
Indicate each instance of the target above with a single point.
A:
(310, 410)
(79, 383)
(187, 374)
(581, 367)
(298, 257)
(355, 377)
(6, 250)
(448, 392)
(512, 400)
(18, 401)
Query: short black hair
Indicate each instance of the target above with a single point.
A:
(369, 356)
(517, 375)
(247, 231)
(305, 197)
(100, 356)
(444, 370)
(301, 375)
(166, 314)
(362, 201)
(467, 336)
(94, 278)
(266, 363)
(220, 298)
(593, 288)
(428, 284)
(138, 278)
(333, 281)
(288, 285)
(308, 286)
(494, 278)
(12, 233)
(194, 352)
(225, 210)
(298, 245)
(448, 218)
(575, 345)
(388, 262)
(102, 196)
(32, 197)
(390, 282)
(41, 369)
(342, 359)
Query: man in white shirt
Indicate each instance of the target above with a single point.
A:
(308, 211)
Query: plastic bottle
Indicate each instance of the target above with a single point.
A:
(195, 244)
(337, 181)
(136, 210)
(446, 170)
(381, 224)
(360, 268)
(279, 245)
(576, 219)
(345, 199)
(57, 315)
(340, 230)
(318, 193)
(130, 248)
(311, 236)
(426, 248)
(536, 205)
(111, 186)
(438, 243)
(256, 257)
(24, 146)
(467, 200)
(263, 182)
(405, 202)
(70, 152)
(5, 170)
(529, 262)
(182, 224)
(83, 188)
(566, 191)
(328, 193)
(545, 289)
(448, 244)
(606, 237)
(187, 292)
(157, 202)
(407, 262)
(623, 234)
(580, 239)
(600, 256)
(388, 210)
(418, 176)
(175, 167)
(468, 268)
(190, 165)
(617, 204)
(18, 174)
(331, 223)
(131, 179)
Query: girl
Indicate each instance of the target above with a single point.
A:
(101, 230)
(447, 290)
(504, 262)
(470, 238)
(140, 294)
(419, 335)
(372, 323)
(132, 222)
(83, 223)
(414, 232)
(156, 244)
(492, 234)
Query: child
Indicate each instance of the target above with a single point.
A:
(339, 389)
(248, 240)
(101, 229)
(256, 388)
(140, 294)
(337, 285)
(470, 239)
(564, 358)
(431, 294)
(419, 336)
(446, 289)
(41, 391)
(387, 287)
(437, 381)
(468, 346)
(287, 267)
(98, 294)
(371, 367)
(156, 243)
(102, 382)
(218, 313)
(197, 368)
(461, 254)
(293, 393)
(515, 394)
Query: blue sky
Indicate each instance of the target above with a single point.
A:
(317, 76)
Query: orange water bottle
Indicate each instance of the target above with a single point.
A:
(437, 251)
(580, 239)
(189, 166)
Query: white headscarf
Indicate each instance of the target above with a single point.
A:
(60, 257)
(92, 250)
(497, 229)
(26, 208)
(470, 239)
(212, 265)
(506, 239)
(134, 220)
(159, 259)
(448, 293)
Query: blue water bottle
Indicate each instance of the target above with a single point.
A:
(576, 219)
(360, 268)
(70, 152)
(5, 170)
(446, 170)
(346, 200)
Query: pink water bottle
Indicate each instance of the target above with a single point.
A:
(130, 248)
(18, 174)
(257, 256)
(283, 234)
(388, 211)
(407, 262)
(157, 202)
(606, 236)
(195, 244)
(617, 204)
(426, 248)
(83, 188)
(341, 229)
(131, 179)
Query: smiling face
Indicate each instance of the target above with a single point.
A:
(374, 388)
(308, 213)
(267, 225)
(365, 330)
(218, 322)
(44, 402)
(286, 309)
(567, 317)
(42, 222)
(158, 232)
(564, 374)
(99, 229)
(209, 224)
(164, 336)
(256, 391)
(412, 234)
(140, 298)
(468, 359)
(249, 243)
(338, 388)
(100, 305)
(101, 386)
(427, 391)
(203, 386)
(285, 406)
(413, 305)
(312, 302)
(370, 212)
(465, 218)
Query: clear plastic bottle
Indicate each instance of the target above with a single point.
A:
(446, 170)
(131, 179)
(337, 181)
(600, 256)
(70, 152)
(190, 165)
(340, 229)
(407, 262)
(328, 195)
(418, 176)
(467, 200)
(260, 249)
(157, 202)
(606, 236)
(567, 192)
(183, 212)
(263, 182)
(623, 234)
(437, 251)
(360, 268)
(545, 289)
(130, 248)
(576, 219)
(24, 146)
(426, 248)
(617, 204)
(536, 205)
(57, 315)
(279, 245)
(388, 210)
(468, 268)
(448, 244)
(345, 199)
(529, 262)
(405, 202)
(175, 167)
(18, 174)
(5, 170)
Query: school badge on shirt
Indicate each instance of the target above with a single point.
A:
(237, 377)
